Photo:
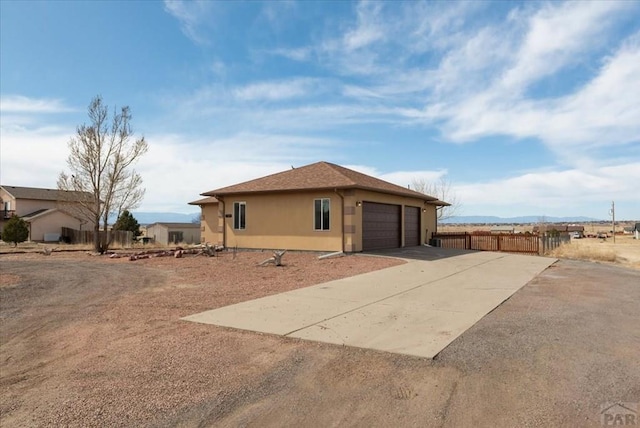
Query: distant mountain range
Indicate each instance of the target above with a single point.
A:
(154, 217)
(150, 217)
(523, 219)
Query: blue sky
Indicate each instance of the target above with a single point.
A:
(527, 108)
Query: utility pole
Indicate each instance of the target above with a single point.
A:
(612, 213)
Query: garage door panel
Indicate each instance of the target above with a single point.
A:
(411, 226)
(380, 226)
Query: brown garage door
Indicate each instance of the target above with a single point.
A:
(380, 226)
(411, 226)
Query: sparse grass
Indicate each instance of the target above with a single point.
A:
(625, 251)
(585, 252)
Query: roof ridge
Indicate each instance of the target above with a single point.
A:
(318, 175)
(340, 170)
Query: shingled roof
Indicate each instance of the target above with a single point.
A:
(46, 194)
(317, 176)
(205, 201)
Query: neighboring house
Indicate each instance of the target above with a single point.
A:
(502, 229)
(321, 207)
(636, 231)
(208, 219)
(174, 233)
(46, 210)
(560, 228)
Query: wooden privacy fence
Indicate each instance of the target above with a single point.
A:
(507, 242)
(123, 238)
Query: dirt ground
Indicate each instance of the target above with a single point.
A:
(88, 341)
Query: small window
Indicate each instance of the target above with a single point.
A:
(239, 215)
(322, 214)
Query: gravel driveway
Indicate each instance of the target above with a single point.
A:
(98, 342)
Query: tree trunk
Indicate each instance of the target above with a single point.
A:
(96, 236)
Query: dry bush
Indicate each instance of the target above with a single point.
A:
(585, 252)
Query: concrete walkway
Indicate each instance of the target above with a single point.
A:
(416, 309)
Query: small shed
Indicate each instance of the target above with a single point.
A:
(174, 233)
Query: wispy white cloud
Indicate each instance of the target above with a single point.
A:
(295, 54)
(188, 167)
(276, 90)
(191, 15)
(369, 27)
(22, 104)
(561, 191)
(558, 35)
(41, 170)
(600, 113)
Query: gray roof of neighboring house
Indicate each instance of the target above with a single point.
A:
(46, 194)
(502, 227)
(35, 213)
(175, 225)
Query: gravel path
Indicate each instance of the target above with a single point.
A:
(88, 341)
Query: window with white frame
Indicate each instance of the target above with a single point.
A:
(239, 215)
(321, 214)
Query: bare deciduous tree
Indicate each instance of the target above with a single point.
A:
(100, 162)
(442, 190)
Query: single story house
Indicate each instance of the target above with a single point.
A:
(208, 219)
(174, 233)
(503, 229)
(321, 207)
(636, 231)
(46, 210)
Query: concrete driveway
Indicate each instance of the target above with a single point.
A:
(415, 309)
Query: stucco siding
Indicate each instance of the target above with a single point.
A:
(190, 235)
(158, 233)
(286, 220)
(209, 224)
(27, 206)
(52, 223)
(165, 234)
(283, 221)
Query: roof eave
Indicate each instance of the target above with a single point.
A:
(439, 203)
(425, 198)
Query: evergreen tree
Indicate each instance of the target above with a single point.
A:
(16, 230)
(127, 221)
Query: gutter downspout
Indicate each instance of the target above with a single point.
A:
(341, 217)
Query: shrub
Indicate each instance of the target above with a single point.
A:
(16, 230)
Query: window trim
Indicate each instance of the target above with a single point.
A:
(322, 225)
(238, 217)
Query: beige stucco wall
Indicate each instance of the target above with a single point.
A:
(285, 221)
(209, 224)
(22, 207)
(52, 223)
(190, 235)
(158, 233)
